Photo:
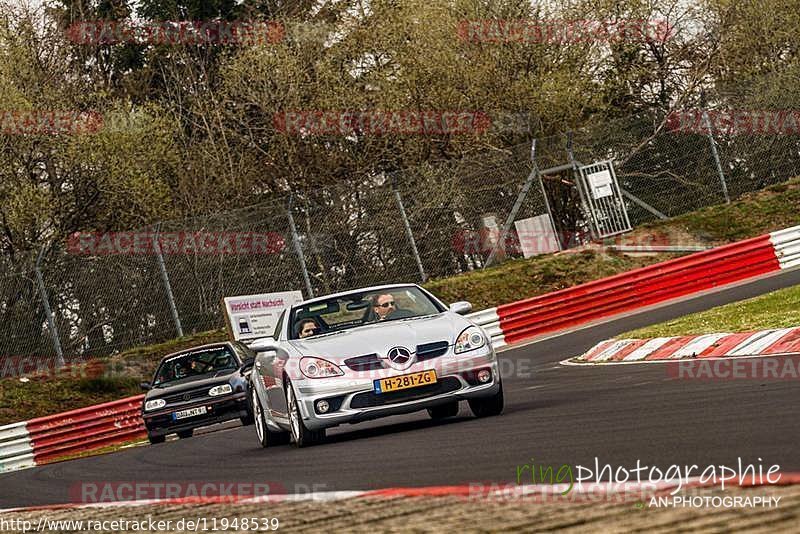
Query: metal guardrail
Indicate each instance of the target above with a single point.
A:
(787, 246)
(47, 439)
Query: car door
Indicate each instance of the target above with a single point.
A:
(269, 365)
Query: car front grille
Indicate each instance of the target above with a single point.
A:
(368, 362)
(186, 396)
(370, 399)
(428, 351)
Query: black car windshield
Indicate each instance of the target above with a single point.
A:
(360, 308)
(195, 363)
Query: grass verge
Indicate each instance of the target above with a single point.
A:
(779, 309)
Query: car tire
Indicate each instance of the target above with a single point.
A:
(443, 411)
(155, 440)
(266, 437)
(488, 406)
(248, 419)
(303, 437)
(185, 434)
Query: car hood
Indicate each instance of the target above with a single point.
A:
(191, 384)
(378, 338)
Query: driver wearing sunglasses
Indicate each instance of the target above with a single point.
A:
(383, 306)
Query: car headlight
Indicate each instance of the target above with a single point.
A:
(470, 339)
(319, 368)
(154, 404)
(216, 391)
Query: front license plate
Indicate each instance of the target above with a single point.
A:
(192, 412)
(424, 378)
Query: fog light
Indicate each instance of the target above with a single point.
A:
(484, 375)
(322, 406)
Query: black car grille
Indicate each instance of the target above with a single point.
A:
(368, 362)
(428, 351)
(186, 396)
(370, 399)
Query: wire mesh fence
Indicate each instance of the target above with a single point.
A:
(431, 221)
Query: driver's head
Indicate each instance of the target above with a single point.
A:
(383, 305)
(306, 328)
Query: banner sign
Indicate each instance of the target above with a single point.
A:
(254, 316)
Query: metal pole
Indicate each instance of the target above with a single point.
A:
(587, 212)
(513, 215)
(298, 249)
(167, 286)
(51, 322)
(544, 196)
(713, 142)
(410, 234)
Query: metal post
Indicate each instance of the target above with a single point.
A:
(298, 249)
(713, 142)
(513, 215)
(410, 234)
(51, 322)
(579, 184)
(167, 286)
(544, 195)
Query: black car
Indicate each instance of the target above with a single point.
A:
(198, 387)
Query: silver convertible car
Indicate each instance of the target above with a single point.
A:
(365, 354)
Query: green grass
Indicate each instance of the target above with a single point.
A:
(779, 309)
(754, 214)
(773, 208)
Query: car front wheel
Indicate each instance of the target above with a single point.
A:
(488, 406)
(303, 437)
(154, 440)
(266, 437)
(446, 410)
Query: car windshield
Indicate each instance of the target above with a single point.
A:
(360, 308)
(195, 363)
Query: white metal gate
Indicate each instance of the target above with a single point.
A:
(602, 199)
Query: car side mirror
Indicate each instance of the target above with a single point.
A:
(461, 307)
(146, 386)
(263, 344)
(247, 366)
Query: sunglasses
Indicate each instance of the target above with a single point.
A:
(386, 304)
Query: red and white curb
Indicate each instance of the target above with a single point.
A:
(775, 342)
(583, 492)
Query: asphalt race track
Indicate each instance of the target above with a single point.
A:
(554, 414)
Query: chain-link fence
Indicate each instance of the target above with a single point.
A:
(431, 221)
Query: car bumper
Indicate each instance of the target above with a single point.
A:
(161, 423)
(354, 400)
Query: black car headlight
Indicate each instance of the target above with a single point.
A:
(216, 391)
(154, 404)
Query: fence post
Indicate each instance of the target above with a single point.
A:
(713, 142)
(513, 215)
(167, 286)
(51, 322)
(299, 249)
(409, 233)
(587, 212)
